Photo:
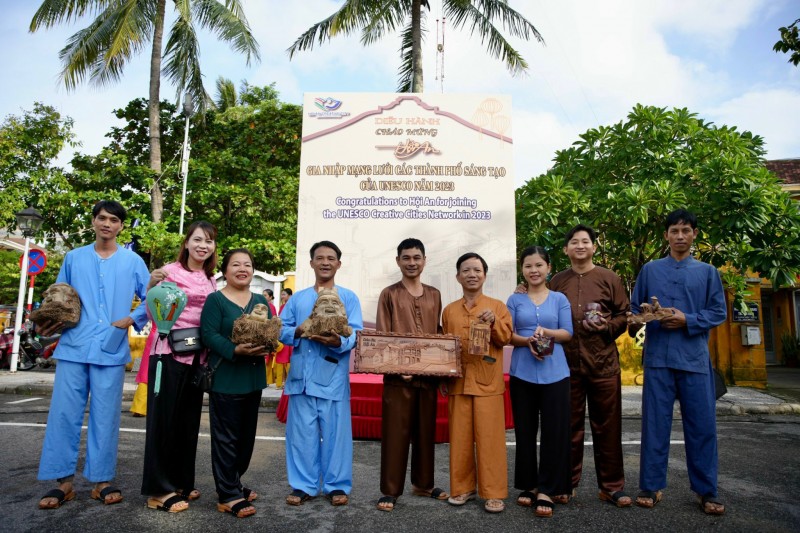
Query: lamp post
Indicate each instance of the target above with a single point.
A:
(187, 112)
(29, 221)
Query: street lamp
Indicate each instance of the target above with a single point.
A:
(29, 221)
(188, 111)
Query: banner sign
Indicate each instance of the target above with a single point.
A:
(378, 168)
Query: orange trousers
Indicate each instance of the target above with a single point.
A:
(478, 446)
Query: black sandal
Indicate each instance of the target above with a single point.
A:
(544, 503)
(302, 497)
(526, 494)
(59, 495)
(237, 509)
(387, 499)
(615, 497)
(653, 496)
(249, 494)
(166, 505)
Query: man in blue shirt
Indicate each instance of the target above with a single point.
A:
(677, 364)
(92, 358)
(319, 438)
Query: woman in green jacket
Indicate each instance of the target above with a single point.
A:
(238, 380)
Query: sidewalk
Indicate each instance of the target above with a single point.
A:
(782, 395)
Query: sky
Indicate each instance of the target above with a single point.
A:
(599, 60)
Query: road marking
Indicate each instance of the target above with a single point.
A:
(259, 437)
(23, 401)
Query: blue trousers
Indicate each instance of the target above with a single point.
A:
(319, 445)
(695, 392)
(73, 383)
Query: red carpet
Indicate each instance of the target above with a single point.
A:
(366, 391)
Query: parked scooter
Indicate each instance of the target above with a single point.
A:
(33, 350)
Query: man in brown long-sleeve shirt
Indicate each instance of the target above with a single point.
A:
(409, 402)
(594, 362)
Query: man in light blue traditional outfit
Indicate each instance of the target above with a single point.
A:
(92, 358)
(319, 438)
(677, 364)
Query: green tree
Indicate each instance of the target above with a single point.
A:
(244, 176)
(121, 30)
(377, 18)
(790, 42)
(624, 179)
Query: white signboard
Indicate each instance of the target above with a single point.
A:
(378, 168)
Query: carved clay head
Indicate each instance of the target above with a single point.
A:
(328, 304)
(61, 303)
(260, 313)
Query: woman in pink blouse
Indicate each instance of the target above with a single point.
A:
(173, 418)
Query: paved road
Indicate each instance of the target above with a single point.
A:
(759, 481)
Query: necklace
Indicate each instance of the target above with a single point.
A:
(235, 301)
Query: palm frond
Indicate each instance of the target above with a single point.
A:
(405, 72)
(352, 15)
(226, 94)
(228, 22)
(516, 24)
(460, 13)
(53, 12)
(102, 49)
(386, 18)
(182, 62)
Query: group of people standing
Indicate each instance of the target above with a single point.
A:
(549, 390)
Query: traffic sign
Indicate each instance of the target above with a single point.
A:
(37, 262)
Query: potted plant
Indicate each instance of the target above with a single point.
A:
(790, 346)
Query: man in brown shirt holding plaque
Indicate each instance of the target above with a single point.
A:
(594, 361)
(409, 402)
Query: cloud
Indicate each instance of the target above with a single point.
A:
(758, 112)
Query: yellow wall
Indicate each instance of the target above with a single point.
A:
(740, 365)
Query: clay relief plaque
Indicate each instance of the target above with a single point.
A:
(379, 352)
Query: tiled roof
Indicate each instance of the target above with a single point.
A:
(787, 170)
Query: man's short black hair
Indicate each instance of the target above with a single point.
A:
(111, 207)
(471, 255)
(580, 227)
(326, 244)
(680, 216)
(410, 243)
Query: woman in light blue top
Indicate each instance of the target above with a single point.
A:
(539, 385)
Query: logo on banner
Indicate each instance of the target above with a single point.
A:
(328, 107)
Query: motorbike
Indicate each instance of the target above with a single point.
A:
(33, 350)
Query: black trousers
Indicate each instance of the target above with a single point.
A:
(234, 418)
(553, 473)
(173, 422)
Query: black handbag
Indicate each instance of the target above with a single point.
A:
(185, 341)
(202, 374)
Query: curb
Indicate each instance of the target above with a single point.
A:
(127, 395)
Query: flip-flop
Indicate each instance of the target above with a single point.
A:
(436, 493)
(239, 510)
(388, 503)
(338, 497)
(653, 496)
(59, 495)
(100, 495)
(298, 497)
(705, 500)
(167, 505)
(615, 497)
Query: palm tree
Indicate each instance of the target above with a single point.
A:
(376, 18)
(226, 94)
(121, 30)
